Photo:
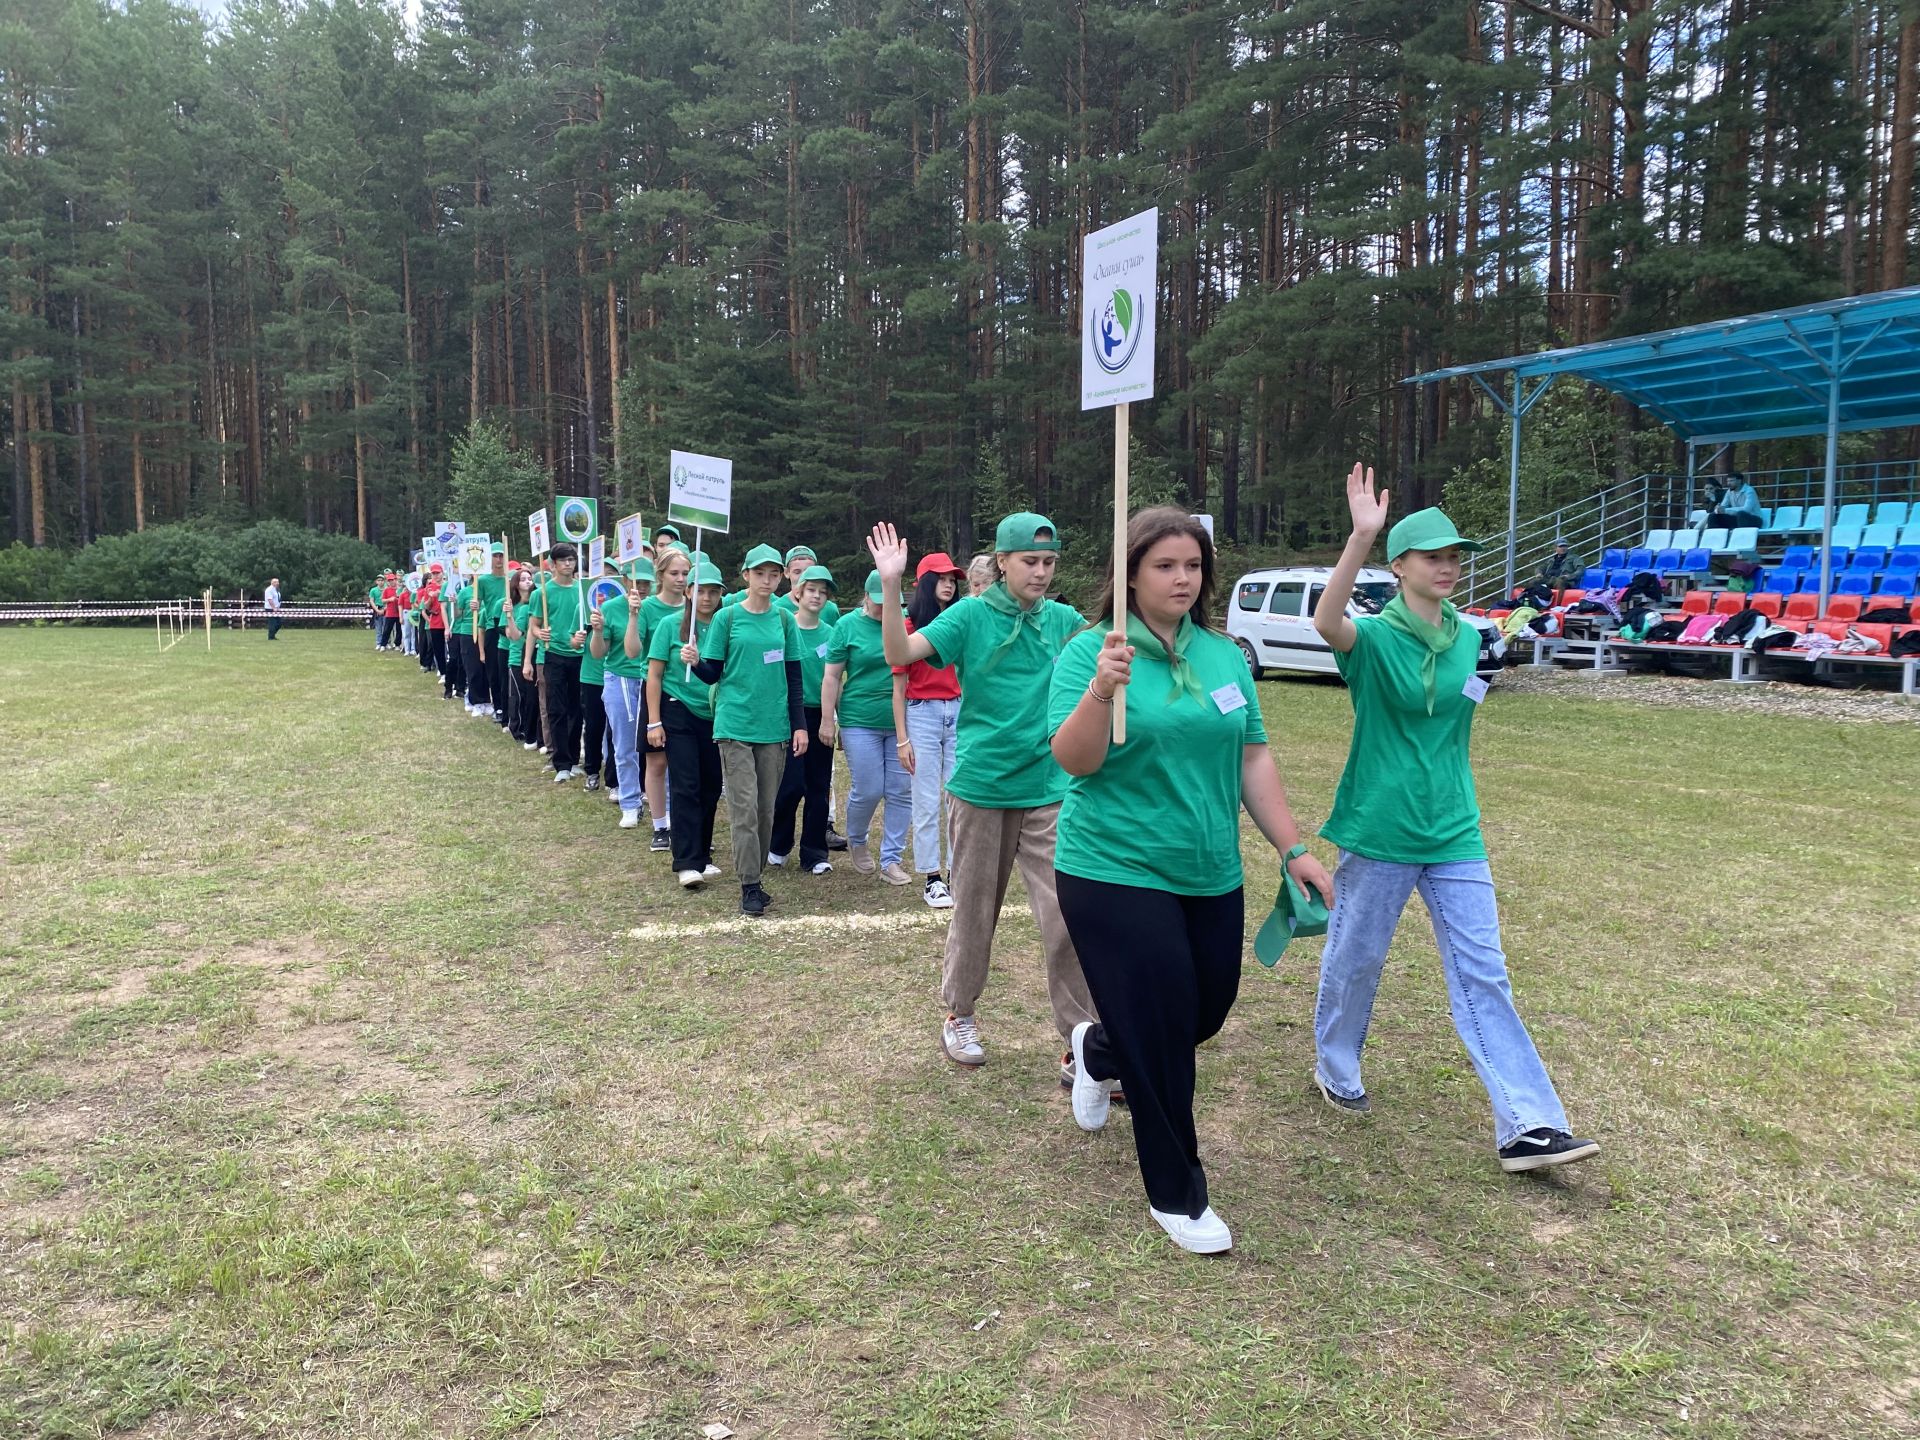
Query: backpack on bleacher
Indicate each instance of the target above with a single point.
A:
(1646, 583)
(1904, 644)
(1664, 631)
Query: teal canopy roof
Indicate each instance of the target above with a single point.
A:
(1751, 378)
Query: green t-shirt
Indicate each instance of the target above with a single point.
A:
(1406, 795)
(373, 596)
(1002, 760)
(1163, 810)
(866, 695)
(653, 610)
(665, 645)
(563, 614)
(813, 660)
(517, 649)
(592, 671)
(613, 619)
(829, 612)
(750, 698)
(493, 594)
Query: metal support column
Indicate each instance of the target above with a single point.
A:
(1834, 370)
(1513, 487)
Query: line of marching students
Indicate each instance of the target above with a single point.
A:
(976, 714)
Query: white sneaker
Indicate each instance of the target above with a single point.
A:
(821, 867)
(545, 751)
(893, 874)
(1206, 1236)
(710, 872)
(690, 879)
(560, 777)
(773, 859)
(468, 708)
(529, 745)
(1092, 1099)
(960, 1036)
(861, 856)
(629, 819)
(938, 897)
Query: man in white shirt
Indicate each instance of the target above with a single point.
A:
(272, 603)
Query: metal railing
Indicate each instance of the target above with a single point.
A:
(1588, 525)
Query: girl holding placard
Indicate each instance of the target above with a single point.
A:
(672, 569)
(808, 777)
(680, 711)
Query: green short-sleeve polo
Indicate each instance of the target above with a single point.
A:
(750, 697)
(665, 645)
(866, 694)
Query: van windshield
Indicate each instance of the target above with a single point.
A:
(1370, 596)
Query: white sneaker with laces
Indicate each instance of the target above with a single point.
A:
(629, 819)
(560, 777)
(821, 867)
(1092, 1099)
(1207, 1235)
(690, 879)
(773, 859)
(937, 896)
(710, 872)
(529, 746)
(960, 1036)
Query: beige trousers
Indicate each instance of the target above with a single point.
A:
(752, 774)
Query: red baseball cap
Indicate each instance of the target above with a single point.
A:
(938, 563)
(437, 570)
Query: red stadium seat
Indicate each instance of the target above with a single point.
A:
(1843, 607)
(1572, 597)
(1882, 633)
(1768, 605)
(1794, 623)
(1696, 602)
(1836, 628)
(1803, 607)
(1898, 602)
(1728, 603)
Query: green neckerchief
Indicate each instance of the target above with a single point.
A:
(1438, 639)
(999, 600)
(1140, 635)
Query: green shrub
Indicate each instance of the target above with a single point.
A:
(175, 561)
(29, 574)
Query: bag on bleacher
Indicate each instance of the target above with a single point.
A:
(1665, 631)
(1735, 629)
(1885, 615)
(1646, 583)
(1905, 644)
(1776, 638)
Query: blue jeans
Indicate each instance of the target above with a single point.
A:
(620, 695)
(1369, 896)
(932, 726)
(877, 775)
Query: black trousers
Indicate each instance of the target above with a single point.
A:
(808, 777)
(478, 677)
(459, 662)
(497, 674)
(523, 708)
(422, 648)
(1731, 521)
(1163, 971)
(434, 653)
(595, 753)
(273, 625)
(693, 784)
(563, 708)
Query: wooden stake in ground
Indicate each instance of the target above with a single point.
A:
(1120, 418)
(206, 604)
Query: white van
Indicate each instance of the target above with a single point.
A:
(1270, 617)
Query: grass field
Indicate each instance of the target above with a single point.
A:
(353, 1081)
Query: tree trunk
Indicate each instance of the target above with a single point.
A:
(1899, 206)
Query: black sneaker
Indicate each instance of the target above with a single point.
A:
(593, 782)
(753, 900)
(1356, 1106)
(835, 840)
(1540, 1148)
(661, 841)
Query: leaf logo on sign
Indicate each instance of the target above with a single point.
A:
(1115, 336)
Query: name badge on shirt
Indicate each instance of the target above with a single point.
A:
(1475, 689)
(822, 651)
(773, 656)
(1228, 698)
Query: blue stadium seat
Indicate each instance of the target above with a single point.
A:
(1784, 521)
(1612, 558)
(1854, 583)
(1846, 536)
(1744, 540)
(1885, 536)
(1594, 578)
(1910, 533)
(1699, 561)
(1904, 557)
(1814, 520)
(1899, 584)
(1891, 512)
(1666, 561)
(1852, 515)
(1658, 539)
(1639, 558)
(1801, 555)
(1868, 557)
(1620, 578)
(1765, 516)
(1714, 539)
(1781, 581)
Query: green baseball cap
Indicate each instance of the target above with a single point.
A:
(795, 552)
(874, 591)
(499, 547)
(1296, 911)
(761, 555)
(673, 530)
(1024, 532)
(708, 573)
(641, 569)
(820, 573)
(1428, 529)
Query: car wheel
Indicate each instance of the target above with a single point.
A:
(1253, 661)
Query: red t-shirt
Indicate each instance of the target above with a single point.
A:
(390, 597)
(927, 682)
(430, 597)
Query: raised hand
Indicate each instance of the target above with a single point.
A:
(1369, 510)
(889, 551)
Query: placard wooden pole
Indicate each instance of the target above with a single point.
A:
(1120, 556)
(693, 588)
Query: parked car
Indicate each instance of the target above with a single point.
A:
(1270, 618)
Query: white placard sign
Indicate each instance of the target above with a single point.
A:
(1206, 523)
(631, 537)
(1117, 294)
(700, 492)
(539, 541)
